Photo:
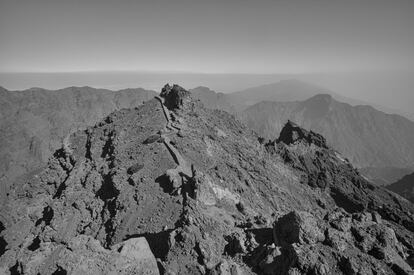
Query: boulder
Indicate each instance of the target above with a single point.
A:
(138, 254)
(174, 179)
(297, 227)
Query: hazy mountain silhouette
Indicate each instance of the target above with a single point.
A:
(284, 90)
(212, 99)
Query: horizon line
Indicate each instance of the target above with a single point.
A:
(204, 73)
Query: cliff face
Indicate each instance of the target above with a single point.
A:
(33, 123)
(206, 195)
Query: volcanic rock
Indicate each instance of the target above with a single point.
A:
(35, 122)
(175, 96)
(203, 202)
(292, 133)
(297, 227)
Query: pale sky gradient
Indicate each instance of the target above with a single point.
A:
(225, 36)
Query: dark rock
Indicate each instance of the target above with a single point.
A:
(297, 227)
(152, 139)
(175, 96)
(236, 244)
(135, 168)
(292, 133)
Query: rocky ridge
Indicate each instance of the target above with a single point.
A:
(367, 137)
(206, 196)
(360, 132)
(34, 122)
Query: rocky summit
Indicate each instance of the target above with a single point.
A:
(171, 187)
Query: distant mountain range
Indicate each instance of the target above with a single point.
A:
(34, 122)
(366, 136)
(213, 100)
(282, 91)
(381, 144)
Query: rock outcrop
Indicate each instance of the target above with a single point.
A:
(339, 243)
(175, 96)
(196, 190)
(292, 133)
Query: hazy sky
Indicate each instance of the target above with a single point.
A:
(235, 36)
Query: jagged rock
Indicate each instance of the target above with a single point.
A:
(85, 255)
(209, 252)
(236, 243)
(339, 219)
(338, 240)
(292, 133)
(226, 268)
(85, 203)
(174, 179)
(29, 138)
(175, 96)
(354, 244)
(297, 227)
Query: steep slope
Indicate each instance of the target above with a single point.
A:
(34, 122)
(201, 189)
(369, 138)
(404, 187)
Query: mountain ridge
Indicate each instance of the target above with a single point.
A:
(206, 196)
(34, 122)
(348, 128)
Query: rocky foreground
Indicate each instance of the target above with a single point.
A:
(34, 122)
(173, 188)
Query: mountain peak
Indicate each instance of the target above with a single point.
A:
(320, 99)
(175, 97)
(318, 106)
(292, 133)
